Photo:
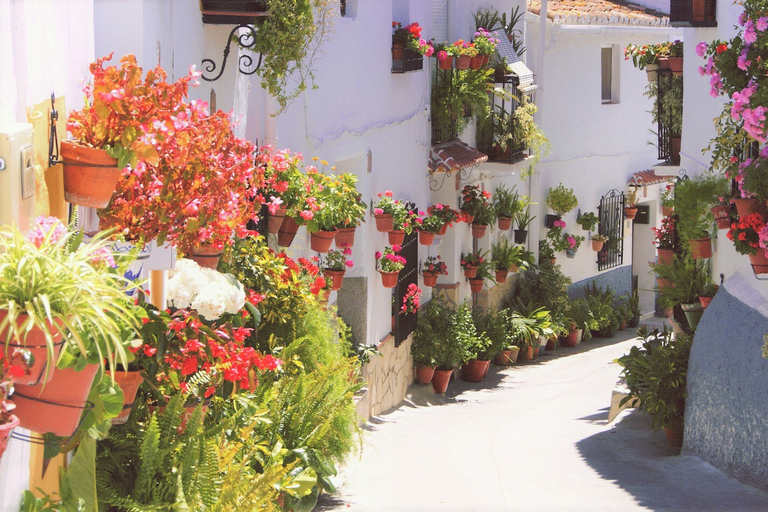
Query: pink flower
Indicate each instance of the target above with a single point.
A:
(571, 242)
(378, 255)
(701, 49)
(378, 211)
(274, 204)
(396, 248)
(559, 224)
(50, 227)
(306, 215)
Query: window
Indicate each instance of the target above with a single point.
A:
(693, 13)
(405, 324)
(611, 215)
(609, 74)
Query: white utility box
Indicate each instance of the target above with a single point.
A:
(17, 175)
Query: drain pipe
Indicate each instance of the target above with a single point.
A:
(534, 177)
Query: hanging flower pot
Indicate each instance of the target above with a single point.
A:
(663, 62)
(41, 370)
(478, 230)
(693, 313)
(701, 248)
(597, 245)
(759, 262)
(676, 65)
(747, 206)
(287, 232)
(473, 371)
(476, 285)
(426, 238)
(90, 174)
(206, 256)
(440, 380)
(570, 253)
(501, 275)
(470, 271)
(275, 220)
(443, 230)
(705, 301)
(486, 59)
(650, 69)
(475, 62)
(396, 237)
(630, 212)
(445, 62)
(521, 235)
(57, 406)
(462, 62)
(389, 279)
(129, 382)
(385, 222)
(468, 217)
(722, 214)
(424, 374)
(666, 256)
(505, 223)
(430, 279)
(345, 237)
(667, 210)
(320, 241)
(5, 433)
(336, 277)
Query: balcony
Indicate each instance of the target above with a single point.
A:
(405, 60)
(232, 12)
(693, 13)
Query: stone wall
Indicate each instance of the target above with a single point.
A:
(619, 279)
(726, 414)
(387, 378)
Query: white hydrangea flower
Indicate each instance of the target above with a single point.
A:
(209, 292)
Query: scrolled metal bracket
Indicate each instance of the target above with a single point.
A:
(463, 175)
(246, 40)
(53, 138)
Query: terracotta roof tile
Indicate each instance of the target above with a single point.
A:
(454, 156)
(599, 12)
(648, 177)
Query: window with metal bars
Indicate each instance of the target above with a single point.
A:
(496, 134)
(693, 13)
(669, 115)
(611, 224)
(405, 323)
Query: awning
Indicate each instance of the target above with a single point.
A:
(649, 177)
(518, 67)
(454, 156)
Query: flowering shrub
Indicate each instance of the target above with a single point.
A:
(207, 291)
(473, 199)
(664, 236)
(434, 265)
(337, 260)
(410, 37)
(462, 48)
(749, 234)
(390, 261)
(642, 56)
(431, 224)
(444, 212)
(471, 260)
(387, 205)
(411, 300)
(284, 183)
(484, 41)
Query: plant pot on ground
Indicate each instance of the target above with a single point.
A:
(432, 343)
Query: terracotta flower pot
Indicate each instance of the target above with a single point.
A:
(486, 59)
(505, 223)
(759, 262)
(424, 374)
(597, 245)
(275, 220)
(570, 340)
(705, 301)
(430, 279)
(426, 238)
(475, 62)
(476, 285)
(445, 63)
(462, 62)
(501, 275)
(40, 371)
(336, 277)
(674, 437)
(502, 358)
(663, 283)
(321, 241)
(389, 279)
(396, 237)
(747, 206)
(129, 382)
(701, 248)
(667, 210)
(5, 433)
(385, 222)
(90, 175)
(722, 214)
(287, 232)
(473, 371)
(470, 271)
(345, 237)
(663, 62)
(57, 406)
(478, 230)
(676, 65)
(440, 380)
(443, 230)
(468, 217)
(630, 212)
(207, 256)
(666, 256)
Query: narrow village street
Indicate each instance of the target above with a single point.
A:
(532, 437)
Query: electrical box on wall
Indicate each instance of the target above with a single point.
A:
(17, 175)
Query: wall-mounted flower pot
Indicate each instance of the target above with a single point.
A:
(478, 230)
(521, 235)
(443, 230)
(129, 382)
(336, 277)
(440, 380)
(666, 256)
(701, 248)
(501, 275)
(722, 214)
(206, 256)
(470, 271)
(345, 237)
(693, 313)
(747, 206)
(57, 406)
(426, 238)
(462, 62)
(676, 65)
(650, 70)
(549, 220)
(630, 212)
(90, 175)
(570, 253)
(667, 210)
(759, 262)
(663, 62)
(321, 241)
(475, 62)
(430, 279)
(445, 63)
(389, 279)
(505, 223)
(275, 220)
(385, 222)
(287, 232)
(396, 237)
(597, 245)
(476, 285)
(40, 371)
(424, 374)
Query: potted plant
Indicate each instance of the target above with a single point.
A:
(506, 204)
(446, 214)
(485, 44)
(463, 52)
(335, 265)
(643, 57)
(707, 294)
(655, 374)
(667, 200)
(474, 344)
(588, 221)
(436, 323)
(425, 340)
(578, 310)
(676, 57)
(385, 210)
(485, 270)
(389, 264)
(598, 241)
(664, 239)
(12, 365)
(747, 235)
(503, 255)
(473, 199)
(470, 262)
(403, 224)
(428, 227)
(433, 267)
(284, 186)
(693, 198)
(411, 300)
(409, 38)
(123, 120)
(523, 219)
(484, 215)
(630, 202)
(444, 59)
(723, 212)
(351, 209)
(560, 200)
(546, 253)
(685, 280)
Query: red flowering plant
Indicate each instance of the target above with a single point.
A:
(284, 185)
(664, 236)
(126, 116)
(411, 300)
(471, 259)
(745, 233)
(434, 265)
(409, 37)
(15, 364)
(473, 200)
(387, 205)
(444, 212)
(390, 260)
(337, 260)
(430, 224)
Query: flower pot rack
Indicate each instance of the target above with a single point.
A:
(247, 40)
(228, 12)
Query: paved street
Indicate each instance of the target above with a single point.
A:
(532, 437)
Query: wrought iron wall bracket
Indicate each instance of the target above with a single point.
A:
(463, 175)
(246, 40)
(53, 138)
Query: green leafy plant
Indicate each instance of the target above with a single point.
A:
(507, 202)
(547, 287)
(473, 343)
(588, 221)
(523, 219)
(693, 199)
(465, 93)
(484, 214)
(433, 335)
(561, 199)
(688, 278)
(602, 303)
(670, 112)
(496, 328)
(578, 310)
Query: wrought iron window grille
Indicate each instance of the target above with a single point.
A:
(668, 143)
(693, 13)
(405, 323)
(500, 125)
(611, 224)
